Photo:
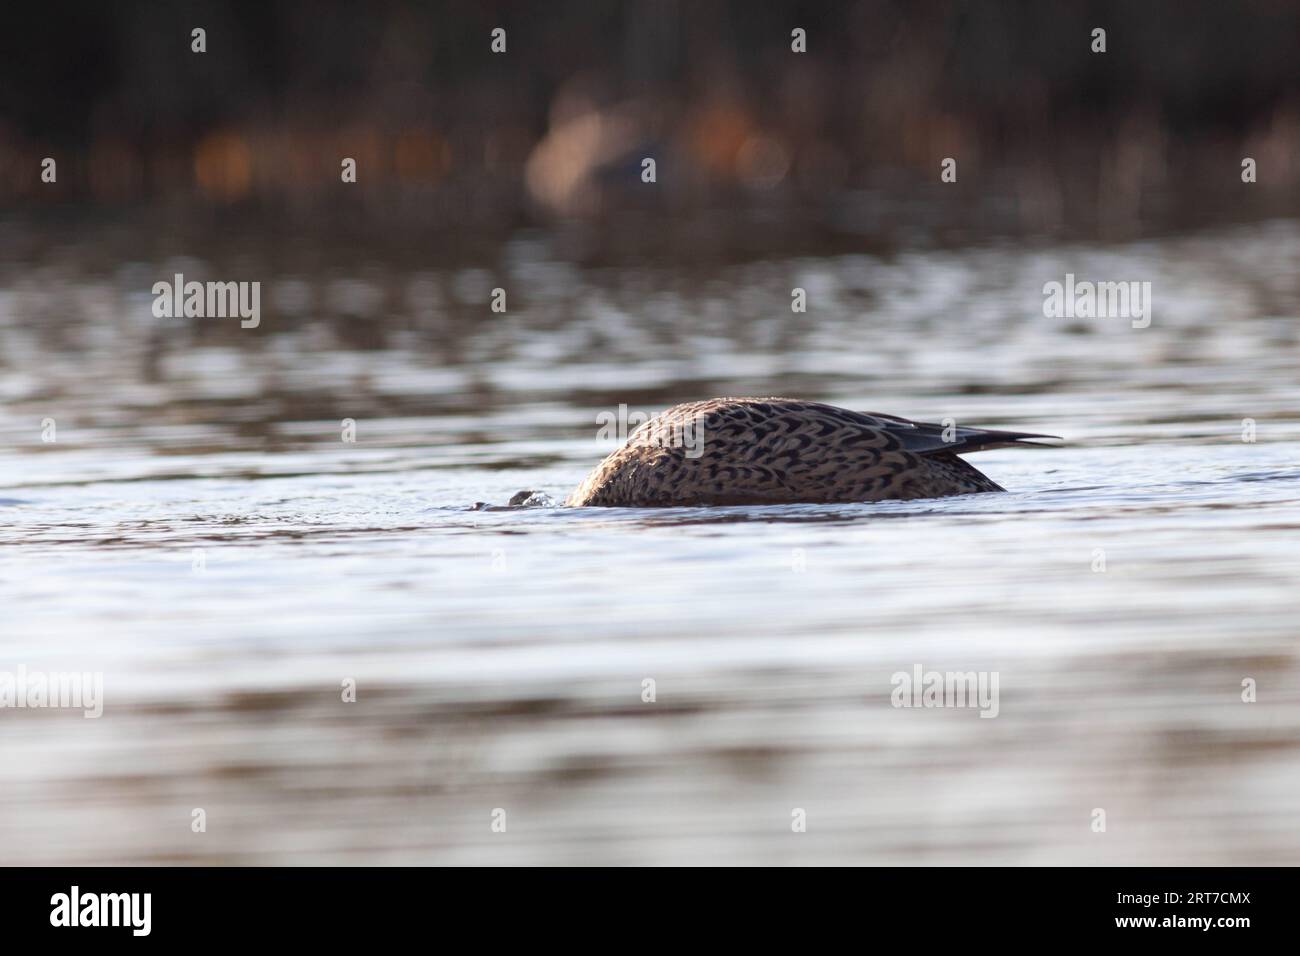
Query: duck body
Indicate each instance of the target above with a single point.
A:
(763, 451)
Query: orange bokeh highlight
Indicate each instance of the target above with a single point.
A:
(223, 166)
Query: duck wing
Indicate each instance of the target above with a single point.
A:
(924, 438)
(928, 438)
(822, 421)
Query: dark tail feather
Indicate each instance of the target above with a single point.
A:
(928, 438)
(979, 439)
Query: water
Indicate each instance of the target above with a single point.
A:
(200, 534)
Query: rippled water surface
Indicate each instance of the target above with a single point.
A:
(199, 532)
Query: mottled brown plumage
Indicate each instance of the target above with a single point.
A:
(752, 451)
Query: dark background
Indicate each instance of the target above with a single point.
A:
(757, 147)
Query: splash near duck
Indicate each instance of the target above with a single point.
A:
(765, 451)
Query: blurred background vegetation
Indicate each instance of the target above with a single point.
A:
(758, 148)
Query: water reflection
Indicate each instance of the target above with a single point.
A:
(500, 653)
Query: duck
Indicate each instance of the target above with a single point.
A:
(770, 451)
